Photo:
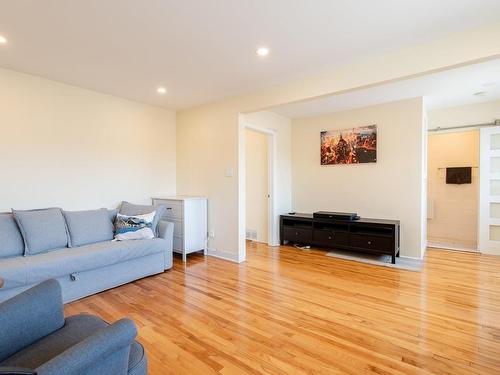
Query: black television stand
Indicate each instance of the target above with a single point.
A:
(376, 236)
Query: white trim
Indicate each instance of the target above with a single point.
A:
(407, 257)
(231, 257)
(436, 245)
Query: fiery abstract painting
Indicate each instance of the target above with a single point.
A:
(349, 146)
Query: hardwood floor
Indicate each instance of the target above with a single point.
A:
(287, 311)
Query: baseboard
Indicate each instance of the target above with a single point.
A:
(223, 255)
(407, 257)
(263, 243)
(444, 246)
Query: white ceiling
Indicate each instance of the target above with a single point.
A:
(203, 50)
(445, 89)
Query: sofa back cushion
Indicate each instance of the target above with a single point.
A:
(42, 230)
(130, 209)
(87, 227)
(12, 243)
(112, 214)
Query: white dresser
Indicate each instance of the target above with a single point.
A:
(189, 215)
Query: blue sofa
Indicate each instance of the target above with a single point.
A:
(36, 339)
(85, 268)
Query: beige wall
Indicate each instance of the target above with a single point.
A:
(469, 114)
(388, 189)
(208, 135)
(257, 183)
(77, 149)
(453, 209)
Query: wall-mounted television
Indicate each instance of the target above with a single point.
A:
(459, 175)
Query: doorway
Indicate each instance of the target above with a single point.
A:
(453, 190)
(257, 185)
(273, 196)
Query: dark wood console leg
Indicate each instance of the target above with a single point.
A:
(394, 259)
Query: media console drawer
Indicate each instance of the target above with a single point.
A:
(331, 238)
(303, 235)
(368, 242)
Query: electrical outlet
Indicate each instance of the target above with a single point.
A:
(211, 234)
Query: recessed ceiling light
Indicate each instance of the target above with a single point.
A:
(161, 90)
(3, 40)
(262, 51)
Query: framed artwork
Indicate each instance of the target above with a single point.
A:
(349, 146)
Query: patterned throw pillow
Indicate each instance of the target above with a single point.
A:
(137, 227)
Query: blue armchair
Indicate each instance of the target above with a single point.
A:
(36, 339)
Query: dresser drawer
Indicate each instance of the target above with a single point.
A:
(302, 235)
(330, 238)
(173, 208)
(372, 243)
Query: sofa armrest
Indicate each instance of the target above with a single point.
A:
(106, 351)
(166, 231)
(29, 316)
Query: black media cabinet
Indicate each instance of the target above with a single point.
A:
(374, 236)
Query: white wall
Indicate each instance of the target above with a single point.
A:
(469, 114)
(257, 184)
(391, 188)
(77, 149)
(208, 135)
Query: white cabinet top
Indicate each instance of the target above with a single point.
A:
(179, 197)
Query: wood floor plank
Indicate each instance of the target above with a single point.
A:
(288, 311)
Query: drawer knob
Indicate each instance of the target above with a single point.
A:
(296, 233)
(329, 237)
(369, 242)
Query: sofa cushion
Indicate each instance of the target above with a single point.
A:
(14, 272)
(130, 209)
(112, 214)
(42, 230)
(12, 243)
(84, 258)
(87, 227)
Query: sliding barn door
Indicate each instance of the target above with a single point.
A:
(489, 191)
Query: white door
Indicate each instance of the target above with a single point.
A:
(489, 191)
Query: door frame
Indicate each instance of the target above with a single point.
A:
(273, 235)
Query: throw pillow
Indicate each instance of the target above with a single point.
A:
(131, 209)
(139, 227)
